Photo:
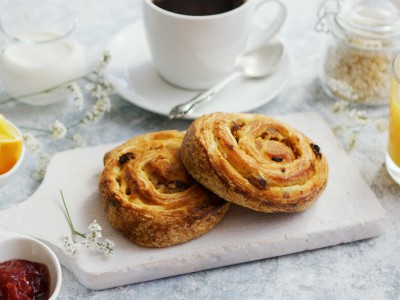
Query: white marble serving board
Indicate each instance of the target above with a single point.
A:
(347, 211)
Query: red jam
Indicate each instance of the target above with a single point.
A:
(22, 280)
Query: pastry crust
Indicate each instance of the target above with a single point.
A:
(148, 195)
(255, 161)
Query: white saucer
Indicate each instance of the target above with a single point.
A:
(135, 78)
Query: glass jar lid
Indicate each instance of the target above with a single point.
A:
(376, 19)
(370, 17)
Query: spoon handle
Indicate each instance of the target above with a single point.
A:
(186, 108)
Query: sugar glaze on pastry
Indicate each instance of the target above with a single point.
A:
(148, 195)
(255, 161)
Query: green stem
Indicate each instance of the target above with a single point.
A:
(41, 135)
(86, 78)
(35, 129)
(45, 91)
(79, 234)
(7, 100)
(74, 125)
(73, 231)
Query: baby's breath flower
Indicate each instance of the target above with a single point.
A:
(78, 140)
(106, 56)
(94, 226)
(77, 94)
(88, 239)
(102, 105)
(108, 252)
(352, 142)
(337, 129)
(105, 59)
(97, 91)
(101, 88)
(59, 131)
(381, 125)
(70, 246)
(43, 162)
(360, 120)
(340, 106)
(89, 86)
(108, 246)
(358, 115)
(31, 142)
(106, 85)
(102, 63)
(96, 235)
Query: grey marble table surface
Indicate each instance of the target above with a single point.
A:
(368, 269)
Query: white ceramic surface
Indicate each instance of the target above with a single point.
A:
(347, 211)
(196, 52)
(132, 72)
(17, 246)
(4, 178)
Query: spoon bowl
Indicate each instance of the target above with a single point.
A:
(256, 64)
(262, 62)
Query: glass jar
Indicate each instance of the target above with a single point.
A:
(364, 36)
(39, 52)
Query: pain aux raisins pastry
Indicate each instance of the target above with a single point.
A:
(255, 161)
(150, 198)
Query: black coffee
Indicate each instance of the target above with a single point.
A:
(198, 7)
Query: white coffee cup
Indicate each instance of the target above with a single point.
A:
(195, 52)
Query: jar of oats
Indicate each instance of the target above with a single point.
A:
(364, 36)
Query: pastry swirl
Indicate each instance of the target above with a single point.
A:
(148, 195)
(255, 161)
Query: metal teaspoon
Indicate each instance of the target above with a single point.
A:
(256, 64)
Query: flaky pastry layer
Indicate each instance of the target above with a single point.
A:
(255, 161)
(148, 195)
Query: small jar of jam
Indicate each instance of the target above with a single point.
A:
(364, 36)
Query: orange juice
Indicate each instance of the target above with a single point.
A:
(394, 123)
(393, 150)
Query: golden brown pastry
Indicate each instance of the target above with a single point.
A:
(255, 161)
(149, 197)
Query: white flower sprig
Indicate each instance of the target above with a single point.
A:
(44, 160)
(72, 243)
(31, 142)
(58, 130)
(77, 94)
(96, 87)
(78, 140)
(359, 120)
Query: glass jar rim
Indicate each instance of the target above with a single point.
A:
(339, 31)
(386, 32)
(396, 68)
(370, 16)
(346, 18)
(68, 18)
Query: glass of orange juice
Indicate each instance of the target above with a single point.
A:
(393, 151)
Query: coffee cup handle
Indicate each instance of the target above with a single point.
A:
(264, 35)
